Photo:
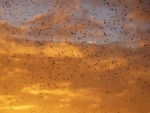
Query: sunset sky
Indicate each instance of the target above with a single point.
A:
(74, 56)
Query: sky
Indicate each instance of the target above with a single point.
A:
(74, 56)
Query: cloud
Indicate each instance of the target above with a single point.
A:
(19, 107)
(7, 99)
(6, 73)
(139, 16)
(37, 89)
(65, 28)
(50, 49)
(106, 74)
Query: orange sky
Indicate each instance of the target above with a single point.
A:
(75, 56)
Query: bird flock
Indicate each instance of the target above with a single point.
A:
(74, 56)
